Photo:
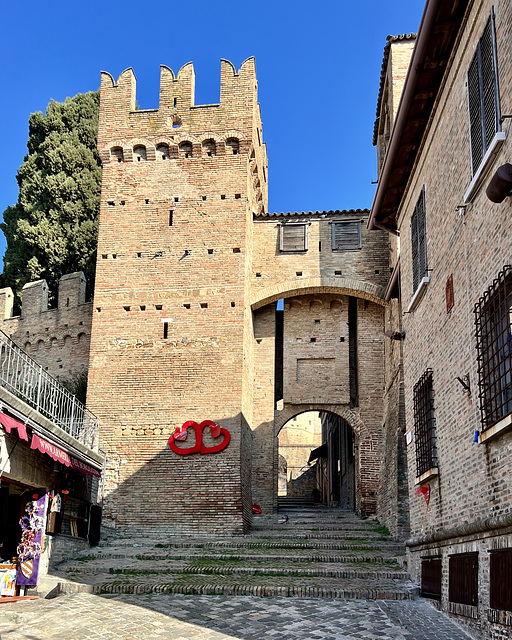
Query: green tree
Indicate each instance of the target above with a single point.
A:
(53, 228)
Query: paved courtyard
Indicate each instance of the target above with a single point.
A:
(155, 616)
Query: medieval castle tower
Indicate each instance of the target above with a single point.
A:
(190, 268)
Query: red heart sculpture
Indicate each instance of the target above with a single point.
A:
(181, 434)
(178, 435)
(216, 431)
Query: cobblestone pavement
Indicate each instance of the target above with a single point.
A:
(176, 617)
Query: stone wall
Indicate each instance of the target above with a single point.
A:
(58, 339)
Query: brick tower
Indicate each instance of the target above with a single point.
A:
(180, 186)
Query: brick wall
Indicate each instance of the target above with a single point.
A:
(469, 506)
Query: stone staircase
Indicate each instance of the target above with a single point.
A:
(308, 551)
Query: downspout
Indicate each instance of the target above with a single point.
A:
(417, 60)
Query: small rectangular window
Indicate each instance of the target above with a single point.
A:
(346, 235)
(166, 330)
(463, 578)
(431, 575)
(293, 237)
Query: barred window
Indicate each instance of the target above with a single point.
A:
(293, 237)
(501, 579)
(493, 316)
(463, 578)
(346, 235)
(483, 94)
(424, 424)
(418, 242)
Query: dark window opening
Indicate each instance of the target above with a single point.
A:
(158, 307)
(234, 145)
(142, 307)
(237, 196)
(431, 578)
(204, 305)
(176, 199)
(312, 339)
(279, 356)
(210, 251)
(223, 197)
(233, 304)
(298, 273)
(337, 273)
(127, 308)
(139, 153)
(166, 330)
(187, 305)
(236, 250)
(171, 214)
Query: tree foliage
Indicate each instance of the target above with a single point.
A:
(53, 228)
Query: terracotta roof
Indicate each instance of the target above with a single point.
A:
(311, 214)
(385, 58)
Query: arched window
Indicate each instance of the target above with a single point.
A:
(139, 153)
(186, 149)
(234, 145)
(209, 147)
(117, 152)
(163, 151)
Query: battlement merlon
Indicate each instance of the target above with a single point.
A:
(177, 113)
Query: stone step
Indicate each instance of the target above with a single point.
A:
(316, 553)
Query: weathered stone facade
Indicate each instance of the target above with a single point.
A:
(58, 339)
(459, 467)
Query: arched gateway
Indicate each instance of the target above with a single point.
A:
(186, 323)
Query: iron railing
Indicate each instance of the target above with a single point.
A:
(22, 376)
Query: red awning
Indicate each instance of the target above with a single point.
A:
(61, 456)
(11, 423)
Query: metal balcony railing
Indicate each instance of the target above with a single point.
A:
(22, 376)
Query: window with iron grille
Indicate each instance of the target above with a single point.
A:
(501, 579)
(418, 242)
(463, 578)
(293, 237)
(493, 315)
(483, 94)
(431, 574)
(424, 424)
(346, 235)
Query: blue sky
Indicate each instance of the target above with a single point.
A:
(318, 68)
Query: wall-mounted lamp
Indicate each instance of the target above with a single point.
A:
(500, 186)
(465, 382)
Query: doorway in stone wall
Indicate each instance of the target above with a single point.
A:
(297, 439)
(316, 460)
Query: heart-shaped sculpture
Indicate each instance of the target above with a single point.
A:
(181, 434)
(216, 430)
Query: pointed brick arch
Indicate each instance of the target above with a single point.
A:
(339, 286)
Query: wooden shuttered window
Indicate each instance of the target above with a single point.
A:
(463, 578)
(293, 237)
(419, 242)
(346, 235)
(501, 579)
(483, 95)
